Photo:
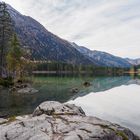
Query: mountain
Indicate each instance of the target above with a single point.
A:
(49, 47)
(44, 44)
(134, 61)
(102, 58)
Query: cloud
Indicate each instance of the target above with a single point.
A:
(105, 25)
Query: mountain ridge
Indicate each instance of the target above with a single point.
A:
(134, 62)
(103, 58)
(49, 47)
(44, 44)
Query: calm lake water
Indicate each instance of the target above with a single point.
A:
(116, 99)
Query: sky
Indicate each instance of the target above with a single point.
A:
(112, 26)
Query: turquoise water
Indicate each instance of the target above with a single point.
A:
(50, 88)
(116, 99)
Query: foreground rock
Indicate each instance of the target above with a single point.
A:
(56, 121)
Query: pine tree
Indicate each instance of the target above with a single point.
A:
(15, 61)
(5, 35)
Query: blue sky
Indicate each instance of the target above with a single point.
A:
(106, 25)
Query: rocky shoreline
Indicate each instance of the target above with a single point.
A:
(55, 121)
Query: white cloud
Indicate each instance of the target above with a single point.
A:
(105, 25)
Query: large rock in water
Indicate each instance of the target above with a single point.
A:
(56, 121)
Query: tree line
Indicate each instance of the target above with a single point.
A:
(12, 56)
(60, 67)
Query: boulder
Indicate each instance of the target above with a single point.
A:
(56, 121)
(74, 90)
(55, 108)
(87, 84)
(27, 90)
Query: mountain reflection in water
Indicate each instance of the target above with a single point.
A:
(105, 83)
(113, 99)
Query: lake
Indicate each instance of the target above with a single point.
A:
(116, 99)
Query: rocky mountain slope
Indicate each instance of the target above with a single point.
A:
(134, 61)
(44, 44)
(103, 58)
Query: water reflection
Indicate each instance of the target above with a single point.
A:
(105, 83)
(120, 103)
(58, 89)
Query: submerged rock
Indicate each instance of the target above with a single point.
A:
(87, 84)
(27, 90)
(74, 90)
(56, 121)
(23, 88)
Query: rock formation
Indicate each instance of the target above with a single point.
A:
(56, 121)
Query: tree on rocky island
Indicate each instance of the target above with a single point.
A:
(16, 62)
